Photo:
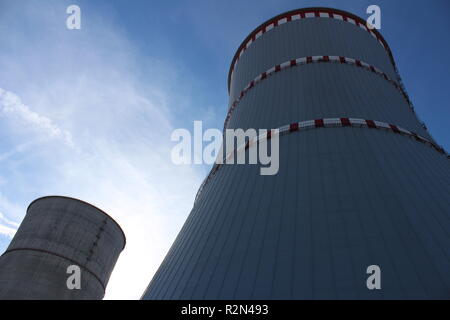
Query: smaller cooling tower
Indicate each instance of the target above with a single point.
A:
(58, 232)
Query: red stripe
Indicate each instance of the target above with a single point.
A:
(308, 59)
(371, 124)
(293, 127)
(252, 83)
(325, 58)
(358, 63)
(302, 14)
(372, 69)
(318, 123)
(289, 18)
(345, 122)
(394, 128)
(269, 134)
(293, 62)
(277, 68)
(263, 75)
(342, 59)
(344, 17)
(317, 14)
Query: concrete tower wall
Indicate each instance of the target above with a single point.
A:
(58, 232)
(360, 184)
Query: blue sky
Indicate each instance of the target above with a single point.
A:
(88, 113)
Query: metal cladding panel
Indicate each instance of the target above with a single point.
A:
(345, 197)
(73, 233)
(322, 90)
(308, 37)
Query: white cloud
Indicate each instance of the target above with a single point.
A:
(7, 227)
(7, 231)
(118, 106)
(8, 222)
(10, 104)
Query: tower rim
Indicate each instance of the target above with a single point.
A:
(85, 203)
(299, 11)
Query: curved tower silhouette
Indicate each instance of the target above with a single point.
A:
(361, 182)
(58, 234)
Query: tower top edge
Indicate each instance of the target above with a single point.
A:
(290, 13)
(84, 203)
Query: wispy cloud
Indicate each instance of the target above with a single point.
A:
(7, 227)
(118, 106)
(11, 105)
(8, 222)
(7, 231)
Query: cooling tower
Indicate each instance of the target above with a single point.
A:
(58, 232)
(361, 182)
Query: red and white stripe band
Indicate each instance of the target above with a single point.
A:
(308, 60)
(305, 14)
(321, 123)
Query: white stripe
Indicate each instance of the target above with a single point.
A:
(300, 60)
(286, 64)
(307, 124)
(404, 130)
(269, 27)
(259, 34)
(296, 17)
(309, 15)
(351, 20)
(382, 124)
(324, 14)
(315, 58)
(248, 43)
(271, 70)
(284, 128)
(281, 21)
(350, 60)
(334, 58)
(332, 121)
(338, 16)
(357, 121)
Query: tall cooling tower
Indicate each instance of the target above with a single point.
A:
(56, 233)
(360, 183)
